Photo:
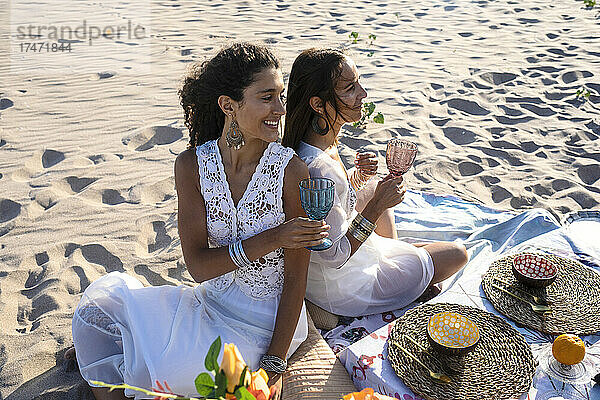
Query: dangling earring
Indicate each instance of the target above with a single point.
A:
(234, 137)
(315, 125)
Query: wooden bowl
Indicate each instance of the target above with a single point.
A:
(534, 270)
(451, 333)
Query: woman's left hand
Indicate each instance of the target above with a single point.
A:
(366, 164)
(275, 383)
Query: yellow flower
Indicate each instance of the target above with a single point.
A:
(365, 394)
(258, 385)
(233, 364)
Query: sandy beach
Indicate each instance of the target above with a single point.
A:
(487, 89)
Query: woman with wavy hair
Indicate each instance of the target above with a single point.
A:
(243, 238)
(367, 270)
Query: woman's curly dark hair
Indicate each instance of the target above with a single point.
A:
(228, 73)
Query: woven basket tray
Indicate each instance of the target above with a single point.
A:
(574, 297)
(500, 367)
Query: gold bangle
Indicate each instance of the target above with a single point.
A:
(365, 222)
(356, 234)
(360, 228)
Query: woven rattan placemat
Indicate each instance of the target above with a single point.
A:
(574, 297)
(500, 367)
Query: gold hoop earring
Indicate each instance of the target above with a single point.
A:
(234, 137)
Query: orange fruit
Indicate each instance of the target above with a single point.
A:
(568, 349)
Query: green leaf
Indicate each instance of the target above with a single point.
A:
(369, 108)
(204, 384)
(243, 394)
(242, 381)
(221, 384)
(210, 362)
(379, 119)
(370, 54)
(372, 36)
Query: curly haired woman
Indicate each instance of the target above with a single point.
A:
(242, 235)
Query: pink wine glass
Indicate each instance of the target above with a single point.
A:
(400, 155)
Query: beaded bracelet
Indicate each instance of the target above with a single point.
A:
(273, 363)
(360, 228)
(357, 234)
(362, 221)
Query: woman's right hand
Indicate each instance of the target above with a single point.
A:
(301, 232)
(390, 192)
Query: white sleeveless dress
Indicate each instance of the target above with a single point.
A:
(124, 332)
(382, 275)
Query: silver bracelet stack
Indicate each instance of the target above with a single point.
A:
(273, 364)
(360, 228)
(238, 256)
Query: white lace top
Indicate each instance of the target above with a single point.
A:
(260, 208)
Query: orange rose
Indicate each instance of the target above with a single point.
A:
(258, 385)
(233, 364)
(365, 394)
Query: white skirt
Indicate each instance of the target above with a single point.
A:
(382, 275)
(126, 333)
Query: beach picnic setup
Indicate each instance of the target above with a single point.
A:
(519, 303)
(300, 200)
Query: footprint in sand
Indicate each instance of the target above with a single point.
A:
(5, 103)
(498, 154)
(500, 194)
(573, 76)
(561, 184)
(112, 197)
(51, 157)
(529, 147)
(98, 254)
(158, 192)
(74, 184)
(150, 137)
(44, 198)
(37, 163)
(153, 237)
(153, 278)
(512, 112)
(523, 202)
(100, 158)
(467, 106)
(498, 78)
(583, 199)
(459, 136)
(589, 174)
(489, 180)
(540, 111)
(467, 168)
(503, 144)
(9, 210)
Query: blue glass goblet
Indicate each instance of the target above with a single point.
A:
(316, 197)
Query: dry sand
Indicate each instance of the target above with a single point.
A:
(486, 88)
